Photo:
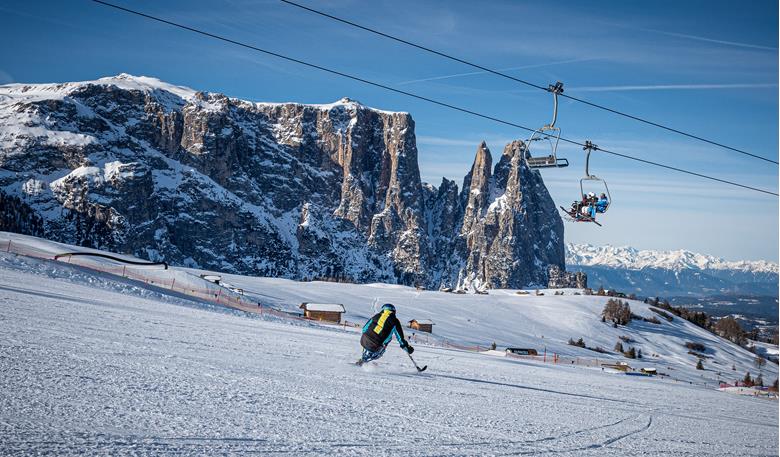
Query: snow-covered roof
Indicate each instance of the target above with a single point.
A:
(326, 307)
(422, 321)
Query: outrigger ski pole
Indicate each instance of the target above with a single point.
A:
(420, 370)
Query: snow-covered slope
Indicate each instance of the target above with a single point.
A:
(503, 316)
(666, 273)
(93, 364)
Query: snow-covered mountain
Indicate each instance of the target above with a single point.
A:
(634, 259)
(681, 272)
(136, 165)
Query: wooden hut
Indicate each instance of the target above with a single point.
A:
(423, 325)
(620, 366)
(212, 278)
(522, 351)
(329, 312)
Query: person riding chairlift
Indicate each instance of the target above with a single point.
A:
(588, 209)
(602, 203)
(577, 207)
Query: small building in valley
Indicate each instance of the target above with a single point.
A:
(212, 278)
(620, 366)
(329, 312)
(521, 351)
(423, 325)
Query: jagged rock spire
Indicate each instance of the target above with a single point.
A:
(278, 189)
(476, 187)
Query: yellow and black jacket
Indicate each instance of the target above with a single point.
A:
(379, 330)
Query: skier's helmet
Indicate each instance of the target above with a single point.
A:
(388, 307)
(591, 194)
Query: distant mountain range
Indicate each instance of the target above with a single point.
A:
(670, 273)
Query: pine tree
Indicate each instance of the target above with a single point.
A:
(638, 353)
(619, 347)
(760, 380)
(747, 380)
(631, 353)
(699, 365)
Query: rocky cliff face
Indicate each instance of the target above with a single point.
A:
(135, 165)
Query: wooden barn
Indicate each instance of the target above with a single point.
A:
(522, 351)
(423, 325)
(329, 312)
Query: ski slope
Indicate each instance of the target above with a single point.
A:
(527, 321)
(95, 364)
(545, 323)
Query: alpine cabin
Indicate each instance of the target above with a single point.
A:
(521, 351)
(423, 325)
(328, 312)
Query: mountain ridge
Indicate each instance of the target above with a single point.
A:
(632, 258)
(278, 189)
(671, 273)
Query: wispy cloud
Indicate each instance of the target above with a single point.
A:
(472, 142)
(709, 40)
(473, 73)
(672, 87)
(688, 36)
(439, 141)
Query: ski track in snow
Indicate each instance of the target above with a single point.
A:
(106, 367)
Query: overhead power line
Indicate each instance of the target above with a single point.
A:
(419, 97)
(527, 83)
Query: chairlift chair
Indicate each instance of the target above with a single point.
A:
(552, 134)
(576, 216)
(589, 177)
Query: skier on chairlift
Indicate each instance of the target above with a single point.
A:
(602, 203)
(579, 207)
(590, 205)
(588, 210)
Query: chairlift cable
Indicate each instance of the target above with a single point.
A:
(527, 83)
(416, 96)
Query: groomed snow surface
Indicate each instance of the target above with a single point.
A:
(97, 365)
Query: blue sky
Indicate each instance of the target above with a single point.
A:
(706, 67)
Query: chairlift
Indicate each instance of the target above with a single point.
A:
(575, 214)
(551, 134)
(589, 177)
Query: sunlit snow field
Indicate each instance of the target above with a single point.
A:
(92, 364)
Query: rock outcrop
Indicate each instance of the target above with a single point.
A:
(136, 165)
(560, 279)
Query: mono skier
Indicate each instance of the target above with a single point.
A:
(378, 332)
